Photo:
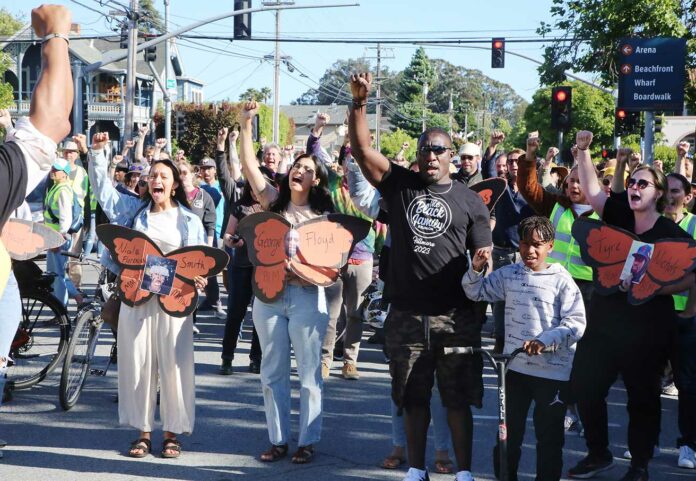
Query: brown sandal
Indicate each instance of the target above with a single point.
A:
(142, 444)
(275, 453)
(303, 455)
(392, 462)
(171, 444)
(444, 466)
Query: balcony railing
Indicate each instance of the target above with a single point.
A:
(111, 111)
(17, 109)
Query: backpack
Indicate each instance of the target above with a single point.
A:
(78, 218)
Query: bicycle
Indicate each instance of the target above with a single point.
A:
(500, 363)
(42, 337)
(83, 342)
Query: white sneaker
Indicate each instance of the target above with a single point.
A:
(687, 459)
(414, 475)
(196, 330)
(464, 476)
(220, 313)
(570, 422)
(670, 390)
(627, 454)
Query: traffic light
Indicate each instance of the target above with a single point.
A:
(626, 122)
(498, 53)
(124, 38)
(658, 124)
(605, 153)
(242, 23)
(561, 108)
(150, 54)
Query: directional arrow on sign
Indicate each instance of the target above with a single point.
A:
(627, 50)
(626, 69)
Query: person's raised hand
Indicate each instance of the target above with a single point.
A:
(48, 19)
(234, 135)
(81, 141)
(322, 119)
(533, 347)
(622, 154)
(583, 139)
(657, 163)
(250, 109)
(551, 154)
(5, 119)
(683, 148)
(143, 131)
(116, 159)
(160, 143)
(533, 143)
(360, 85)
(222, 137)
(574, 152)
(480, 259)
(99, 140)
(497, 136)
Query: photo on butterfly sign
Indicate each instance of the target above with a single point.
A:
(637, 262)
(159, 275)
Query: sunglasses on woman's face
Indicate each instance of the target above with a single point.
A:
(606, 182)
(638, 184)
(142, 183)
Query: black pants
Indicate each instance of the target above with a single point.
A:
(685, 378)
(549, 411)
(239, 281)
(598, 362)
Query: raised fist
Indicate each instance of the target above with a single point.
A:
(5, 119)
(160, 143)
(250, 109)
(657, 163)
(143, 131)
(129, 144)
(533, 143)
(551, 153)
(683, 149)
(117, 159)
(360, 85)
(622, 154)
(50, 19)
(583, 139)
(497, 136)
(322, 119)
(234, 135)
(222, 136)
(99, 140)
(81, 141)
(480, 259)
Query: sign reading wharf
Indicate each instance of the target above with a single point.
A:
(652, 73)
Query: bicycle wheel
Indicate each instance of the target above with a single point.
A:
(79, 356)
(41, 339)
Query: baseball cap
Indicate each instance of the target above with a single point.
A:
(470, 148)
(70, 145)
(61, 165)
(206, 162)
(643, 251)
(122, 166)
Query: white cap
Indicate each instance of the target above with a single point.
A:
(470, 148)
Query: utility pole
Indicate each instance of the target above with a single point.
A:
(133, 14)
(167, 72)
(425, 103)
(649, 137)
(450, 111)
(378, 81)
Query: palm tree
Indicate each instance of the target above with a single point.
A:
(266, 94)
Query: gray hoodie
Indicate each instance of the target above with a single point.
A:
(544, 305)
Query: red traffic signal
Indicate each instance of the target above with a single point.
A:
(498, 53)
(621, 113)
(626, 122)
(561, 108)
(561, 96)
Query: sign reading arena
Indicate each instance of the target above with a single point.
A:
(651, 73)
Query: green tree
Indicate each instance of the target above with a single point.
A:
(592, 110)
(411, 101)
(266, 94)
(250, 94)
(150, 18)
(391, 142)
(9, 25)
(591, 30)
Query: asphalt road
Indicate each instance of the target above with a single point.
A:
(86, 443)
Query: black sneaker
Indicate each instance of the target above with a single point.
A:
(636, 474)
(225, 367)
(590, 466)
(255, 367)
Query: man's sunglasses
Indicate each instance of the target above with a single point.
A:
(435, 149)
(640, 184)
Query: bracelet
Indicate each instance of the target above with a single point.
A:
(357, 104)
(584, 148)
(51, 36)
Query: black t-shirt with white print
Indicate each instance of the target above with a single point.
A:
(13, 180)
(432, 226)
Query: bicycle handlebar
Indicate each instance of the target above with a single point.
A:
(472, 350)
(71, 254)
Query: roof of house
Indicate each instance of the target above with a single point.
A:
(304, 115)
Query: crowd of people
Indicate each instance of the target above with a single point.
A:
(454, 259)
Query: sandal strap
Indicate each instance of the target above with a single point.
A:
(136, 444)
(172, 444)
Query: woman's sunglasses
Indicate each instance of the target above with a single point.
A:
(606, 182)
(640, 184)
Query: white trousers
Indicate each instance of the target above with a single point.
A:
(152, 347)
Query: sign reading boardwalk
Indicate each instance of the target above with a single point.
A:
(652, 73)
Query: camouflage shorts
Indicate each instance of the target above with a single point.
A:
(414, 344)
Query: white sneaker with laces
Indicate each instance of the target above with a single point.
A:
(220, 313)
(687, 458)
(414, 474)
(464, 476)
(670, 390)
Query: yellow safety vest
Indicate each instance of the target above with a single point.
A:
(5, 268)
(565, 250)
(688, 223)
(51, 205)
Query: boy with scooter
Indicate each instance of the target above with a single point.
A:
(544, 311)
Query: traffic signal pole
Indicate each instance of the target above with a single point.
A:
(133, 14)
(649, 137)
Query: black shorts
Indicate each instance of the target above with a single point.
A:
(415, 345)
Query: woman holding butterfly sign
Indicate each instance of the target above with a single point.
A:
(295, 254)
(623, 337)
(153, 345)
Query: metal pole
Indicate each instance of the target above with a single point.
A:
(378, 111)
(450, 110)
(130, 68)
(77, 99)
(167, 71)
(276, 82)
(425, 103)
(649, 137)
(560, 146)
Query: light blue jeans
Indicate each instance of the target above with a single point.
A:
(62, 285)
(298, 319)
(11, 309)
(90, 234)
(438, 418)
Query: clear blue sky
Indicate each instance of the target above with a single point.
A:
(226, 75)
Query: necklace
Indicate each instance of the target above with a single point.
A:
(441, 193)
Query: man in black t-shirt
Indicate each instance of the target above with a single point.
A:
(433, 222)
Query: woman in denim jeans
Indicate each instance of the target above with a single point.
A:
(298, 318)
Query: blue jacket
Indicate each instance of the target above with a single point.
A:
(130, 211)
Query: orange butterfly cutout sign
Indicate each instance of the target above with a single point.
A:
(314, 250)
(490, 190)
(25, 240)
(146, 272)
(618, 257)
